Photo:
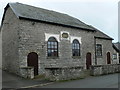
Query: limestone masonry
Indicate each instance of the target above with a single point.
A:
(36, 41)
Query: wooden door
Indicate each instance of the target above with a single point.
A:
(108, 58)
(32, 60)
(88, 60)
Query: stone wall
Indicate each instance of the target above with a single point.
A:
(106, 47)
(115, 60)
(10, 56)
(104, 69)
(20, 37)
(32, 39)
(27, 72)
(67, 73)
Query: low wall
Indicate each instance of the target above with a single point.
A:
(104, 69)
(67, 73)
(27, 72)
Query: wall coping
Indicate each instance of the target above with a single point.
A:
(29, 67)
(64, 67)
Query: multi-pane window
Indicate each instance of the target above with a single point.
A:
(98, 50)
(52, 47)
(76, 48)
(114, 56)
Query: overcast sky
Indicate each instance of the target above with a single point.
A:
(102, 14)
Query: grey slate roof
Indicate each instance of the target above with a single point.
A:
(117, 45)
(100, 34)
(35, 13)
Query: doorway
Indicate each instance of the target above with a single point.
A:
(88, 60)
(32, 60)
(108, 58)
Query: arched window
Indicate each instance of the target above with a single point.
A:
(76, 48)
(52, 47)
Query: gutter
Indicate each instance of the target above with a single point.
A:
(104, 38)
(36, 20)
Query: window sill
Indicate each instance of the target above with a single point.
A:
(52, 57)
(76, 57)
(99, 57)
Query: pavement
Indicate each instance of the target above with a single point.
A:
(12, 81)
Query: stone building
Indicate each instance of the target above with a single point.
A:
(116, 47)
(36, 41)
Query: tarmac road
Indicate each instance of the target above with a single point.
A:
(13, 81)
(105, 81)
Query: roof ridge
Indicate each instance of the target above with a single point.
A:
(37, 13)
(28, 12)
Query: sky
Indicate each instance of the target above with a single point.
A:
(101, 14)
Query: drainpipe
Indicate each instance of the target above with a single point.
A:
(95, 50)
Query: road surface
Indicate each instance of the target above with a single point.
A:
(105, 81)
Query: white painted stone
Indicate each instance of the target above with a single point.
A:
(48, 35)
(64, 38)
(78, 38)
